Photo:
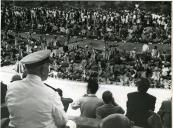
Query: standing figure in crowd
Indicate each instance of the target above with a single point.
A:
(155, 53)
(145, 48)
(140, 103)
(89, 102)
(109, 107)
(30, 102)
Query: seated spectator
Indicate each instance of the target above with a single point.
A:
(109, 107)
(165, 113)
(89, 102)
(139, 103)
(65, 101)
(3, 92)
(116, 121)
(4, 122)
(154, 121)
(4, 109)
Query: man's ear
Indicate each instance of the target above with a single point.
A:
(41, 69)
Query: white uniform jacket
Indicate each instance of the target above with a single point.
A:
(34, 105)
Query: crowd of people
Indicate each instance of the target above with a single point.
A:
(110, 65)
(140, 107)
(125, 25)
(29, 102)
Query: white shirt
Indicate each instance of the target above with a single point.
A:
(165, 71)
(145, 48)
(34, 105)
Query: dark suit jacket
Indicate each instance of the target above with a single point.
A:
(66, 102)
(138, 106)
(108, 109)
(165, 112)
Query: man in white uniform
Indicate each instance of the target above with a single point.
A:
(30, 102)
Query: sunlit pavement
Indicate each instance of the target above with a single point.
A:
(75, 90)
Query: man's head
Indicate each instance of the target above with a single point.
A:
(107, 97)
(143, 85)
(116, 121)
(16, 78)
(37, 63)
(92, 86)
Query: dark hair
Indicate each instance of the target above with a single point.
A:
(16, 78)
(143, 85)
(107, 97)
(92, 86)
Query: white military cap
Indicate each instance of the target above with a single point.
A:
(36, 57)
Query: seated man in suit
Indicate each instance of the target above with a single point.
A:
(109, 107)
(89, 102)
(140, 103)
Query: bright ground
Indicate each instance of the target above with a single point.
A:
(75, 90)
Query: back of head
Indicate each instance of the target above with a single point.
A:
(143, 85)
(16, 78)
(115, 121)
(92, 86)
(107, 97)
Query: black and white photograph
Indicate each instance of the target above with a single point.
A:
(86, 64)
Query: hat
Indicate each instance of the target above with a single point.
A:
(38, 57)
